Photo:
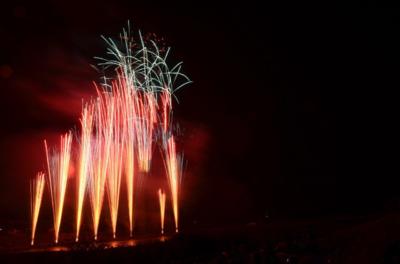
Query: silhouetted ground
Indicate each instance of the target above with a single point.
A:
(373, 239)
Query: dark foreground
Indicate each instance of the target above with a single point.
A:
(364, 240)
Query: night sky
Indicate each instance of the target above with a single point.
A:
(291, 113)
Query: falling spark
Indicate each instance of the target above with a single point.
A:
(58, 168)
(161, 198)
(174, 166)
(37, 187)
(84, 159)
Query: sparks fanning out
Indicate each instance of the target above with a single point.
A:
(120, 127)
(58, 169)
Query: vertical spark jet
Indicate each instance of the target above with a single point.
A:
(37, 187)
(116, 158)
(58, 168)
(161, 199)
(128, 111)
(100, 155)
(84, 161)
(174, 167)
(166, 111)
(146, 104)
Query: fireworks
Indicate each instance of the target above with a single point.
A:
(166, 111)
(58, 168)
(146, 117)
(84, 158)
(118, 134)
(128, 109)
(145, 73)
(103, 117)
(174, 167)
(37, 187)
(161, 199)
(115, 161)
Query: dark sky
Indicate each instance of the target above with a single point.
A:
(290, 112)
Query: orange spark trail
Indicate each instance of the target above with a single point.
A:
(146, 104)
(37, 187)
(58, 168)
(128, 110)
(166, 110)
(103, 118)
(161, 199)
(173, 164)
(84, 166)
(115, 162)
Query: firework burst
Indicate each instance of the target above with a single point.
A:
(143, 67)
